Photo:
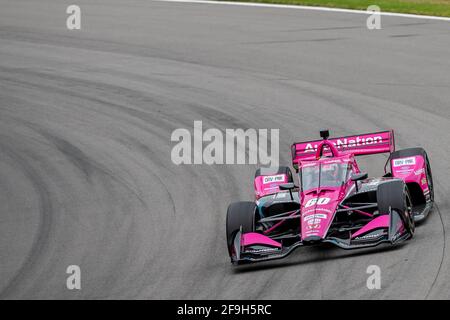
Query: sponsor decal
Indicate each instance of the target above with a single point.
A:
(251, 250)
(324, 210)
(372, 235)
(282, 195)
(418, 172)
(404, 171)
(314, 210)
(348, 143)
(404, 162)
(333, 161)
(271, 179)
(306, 212)
(306, 165)
(314, 221)
(314, 216)
(369, 236)
(319, 201)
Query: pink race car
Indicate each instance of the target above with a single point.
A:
(335, 202)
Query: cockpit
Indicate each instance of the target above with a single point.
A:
(324, 174)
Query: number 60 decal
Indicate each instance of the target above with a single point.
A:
(319, 201)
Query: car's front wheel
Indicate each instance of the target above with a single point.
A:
(239, 214)
(394, 195)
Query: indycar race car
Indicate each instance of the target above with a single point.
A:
(335, 202)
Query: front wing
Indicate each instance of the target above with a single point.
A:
(254, 247)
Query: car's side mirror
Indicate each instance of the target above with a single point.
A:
(288, 186)
(359, 176)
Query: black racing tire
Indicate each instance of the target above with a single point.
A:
(281, 170)
(239, 214)
(410, 152)
(391, 194)
(394, 195)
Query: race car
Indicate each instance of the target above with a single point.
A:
(334, 202)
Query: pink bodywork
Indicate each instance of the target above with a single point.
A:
(364, 144)
(317, 217)
(378, 222)
(265, 185)
(254, 238)
(411, 170)
(318, 205)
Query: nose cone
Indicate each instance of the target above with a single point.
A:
(317, 213)
(312, 240)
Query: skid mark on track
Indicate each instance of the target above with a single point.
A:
(42, 239)
(442, 255)
(88, 165)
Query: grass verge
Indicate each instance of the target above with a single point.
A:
(423, 7)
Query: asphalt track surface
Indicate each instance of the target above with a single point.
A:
(85, 123)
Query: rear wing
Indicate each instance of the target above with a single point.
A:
(358, 145)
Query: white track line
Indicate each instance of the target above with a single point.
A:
(282, 6)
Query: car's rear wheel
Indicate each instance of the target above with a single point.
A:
(239, 214)
(412, 152)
